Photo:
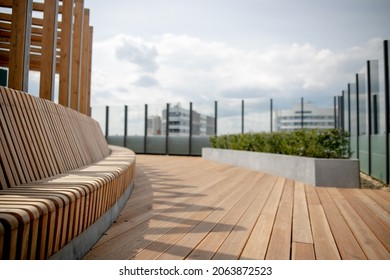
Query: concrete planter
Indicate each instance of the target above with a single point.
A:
(313, 171)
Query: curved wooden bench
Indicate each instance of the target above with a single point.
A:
(60, 183)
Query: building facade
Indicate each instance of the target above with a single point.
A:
(311, 117)
(154, 125)
(179, 122)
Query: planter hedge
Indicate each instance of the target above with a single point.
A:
(332, 143)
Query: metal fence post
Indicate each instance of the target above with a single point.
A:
(190, 132)
(302, 108)
(387, 97)
(215, 117)
(342, 111)
(335, 111)
(369, 94)
(125, 132)
(271, 114)
(107, 120)
(167, 131)
(242, 116)
(357, 118)
(349, 113)
(145, 128)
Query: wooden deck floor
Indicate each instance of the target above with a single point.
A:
(189, 208)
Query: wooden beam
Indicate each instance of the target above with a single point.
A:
(66, 53)
(76, 53)
(6, 3)
(20, 45)
(89, 71)
(84, 64)
(49, 47)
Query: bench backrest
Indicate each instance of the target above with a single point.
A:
(40, 139)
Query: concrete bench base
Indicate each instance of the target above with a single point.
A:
(314, 171)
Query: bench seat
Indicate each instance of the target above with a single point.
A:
(58, 176)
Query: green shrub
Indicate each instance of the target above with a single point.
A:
(332, 143)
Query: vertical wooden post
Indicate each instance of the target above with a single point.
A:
(76, 53)
(49, 48)
(66, 52)
(89, 74)
(84, 64)
(20, 45)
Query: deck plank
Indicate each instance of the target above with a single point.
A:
(279, 246)
(236, 239)
(257, 245)
(347, 245)
(381, 231)
(370, 244)
(184, 246)
(157, 248)
(190, 208)
(324, 245)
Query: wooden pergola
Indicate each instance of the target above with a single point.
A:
(52, 37)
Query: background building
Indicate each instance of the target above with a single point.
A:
(310, 117)
(154, 125)
(179, 122)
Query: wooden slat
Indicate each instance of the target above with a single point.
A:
(279, 246)
(302, 251)
(373, 205)
(381, 231)
(166, 218)
(30, 157)
(184, 246)
(20, 249)
(48, 219)
(10, 224)
(301, 224)
(324, 244)
(256, 247)
(380, 197)
(45, 156)
(371, 246)
(34, 220)
(20, 171)
(345, 240)
(212, 245)
(126, 242)
(2, 246)
(192, 221)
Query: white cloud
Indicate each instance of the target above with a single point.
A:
(182, 68)
(136, 51)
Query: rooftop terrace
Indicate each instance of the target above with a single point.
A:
(190, 208)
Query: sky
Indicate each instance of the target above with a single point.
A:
(158, 51)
